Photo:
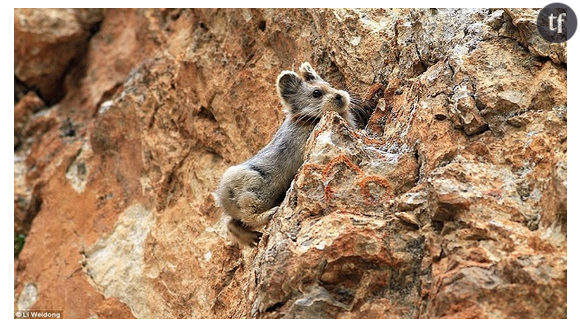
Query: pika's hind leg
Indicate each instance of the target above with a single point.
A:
(246, 235)
(250, 204)
(242, 234)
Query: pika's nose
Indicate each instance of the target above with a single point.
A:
(339, 100)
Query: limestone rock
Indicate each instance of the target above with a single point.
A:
(525, 21)
(450, 203)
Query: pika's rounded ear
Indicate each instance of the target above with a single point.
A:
(307, 72)
(288, 83)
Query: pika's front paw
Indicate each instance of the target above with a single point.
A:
(242, 234)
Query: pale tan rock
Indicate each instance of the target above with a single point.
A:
(525, 19)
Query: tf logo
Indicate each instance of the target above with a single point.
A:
(557, 23)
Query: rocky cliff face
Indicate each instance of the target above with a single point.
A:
(450, 202)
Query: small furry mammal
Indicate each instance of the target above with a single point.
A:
(251, 192)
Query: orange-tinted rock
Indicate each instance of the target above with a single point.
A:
(46, 41)
(451, 203)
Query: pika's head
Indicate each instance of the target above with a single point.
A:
(306, 96)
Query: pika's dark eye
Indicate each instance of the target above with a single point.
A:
(317, 93)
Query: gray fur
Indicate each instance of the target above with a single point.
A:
(251, 192)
